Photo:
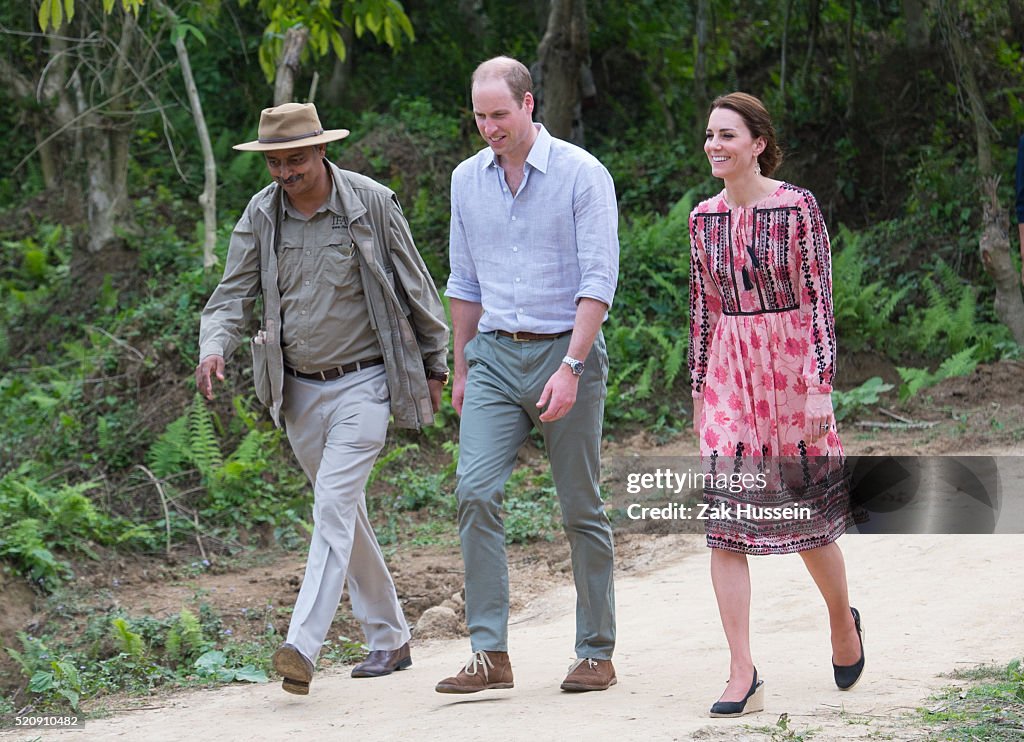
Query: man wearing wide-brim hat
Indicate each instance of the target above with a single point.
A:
(352, 331)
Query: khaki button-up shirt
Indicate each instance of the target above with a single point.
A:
(325, 323)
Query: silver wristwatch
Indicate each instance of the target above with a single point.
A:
(574, 365)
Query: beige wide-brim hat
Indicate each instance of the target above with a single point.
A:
(291, 125)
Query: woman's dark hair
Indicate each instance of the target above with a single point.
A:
(757, 119)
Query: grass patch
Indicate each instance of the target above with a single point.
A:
(984, 703)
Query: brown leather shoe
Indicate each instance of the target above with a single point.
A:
(485, 670)
(383, 662)
(587, 674)
(295, 669)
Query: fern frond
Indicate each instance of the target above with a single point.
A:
(202, 439)
(127, 640)
(170, 453)
(958, 364)
(675, 360)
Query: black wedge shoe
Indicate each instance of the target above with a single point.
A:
(848, 675)
(753, 701)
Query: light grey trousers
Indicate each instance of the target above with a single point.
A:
(336, 429)
(505, 381)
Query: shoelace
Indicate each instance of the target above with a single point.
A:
(479, 658)
(592, 664)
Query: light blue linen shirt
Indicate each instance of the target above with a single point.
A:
(529, 258)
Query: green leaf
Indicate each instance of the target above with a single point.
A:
(339, 45)
(41, 682)
(71, 695)
(69, 9)
(249, 674)
(210, 662)
(44, 14)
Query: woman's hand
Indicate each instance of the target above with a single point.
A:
(698, 409)
(819, 419)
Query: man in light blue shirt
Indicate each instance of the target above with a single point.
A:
(534, 265)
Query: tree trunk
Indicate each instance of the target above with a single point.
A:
(700, 59)
(916, 24)
(994, 245)
(341, 72)
(968, 84)
(851, 62)
(813, 23)
(295, 39)
(561, 53)
(786, 14)
(208, 198)
(106, 145)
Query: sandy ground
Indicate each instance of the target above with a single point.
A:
(931, 603)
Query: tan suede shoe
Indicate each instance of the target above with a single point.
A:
(484, 671)
(296, 671)
(587, 674)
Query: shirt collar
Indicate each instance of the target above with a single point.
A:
(539, 154)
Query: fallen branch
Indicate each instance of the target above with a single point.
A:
(896, 426)
(894, 416)
(163, 501)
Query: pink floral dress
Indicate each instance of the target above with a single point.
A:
(762, 338)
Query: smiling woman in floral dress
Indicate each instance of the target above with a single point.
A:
(762, 352)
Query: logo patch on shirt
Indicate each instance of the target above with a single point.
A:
(339, 222)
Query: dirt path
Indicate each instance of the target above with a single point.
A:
(930, 604)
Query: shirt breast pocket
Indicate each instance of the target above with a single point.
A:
(340, 267)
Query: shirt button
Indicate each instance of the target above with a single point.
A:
(303, 311)
(308, 252)
(515, 249)
(518, 279)
(519, 311)
(513, 218)
(305, 283)
(302, 342)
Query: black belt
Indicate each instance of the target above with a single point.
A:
(336, 372)
(523, 336)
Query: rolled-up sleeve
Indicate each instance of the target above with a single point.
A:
(230, 307)
(462, 280)
(597, 234)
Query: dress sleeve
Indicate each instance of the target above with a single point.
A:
(816, 297)
(705, 308)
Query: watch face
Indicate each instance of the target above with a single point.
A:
(575, 366)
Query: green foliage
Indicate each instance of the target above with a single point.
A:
(985, 703)
(54, 12)
(243, 488)
(947, 323)
(916, 379)
(215, 665)
(647, 332)
(185, 637)
(863, 311)
(531, 510)
(854, 401)
(384, 19)
(38, 517)
(128, 642)
(135, 655)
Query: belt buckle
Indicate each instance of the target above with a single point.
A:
(323, 376)
(515, 337)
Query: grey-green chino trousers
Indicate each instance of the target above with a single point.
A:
(504, 382)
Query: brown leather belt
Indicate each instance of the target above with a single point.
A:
(524, 336)
(337, 372)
